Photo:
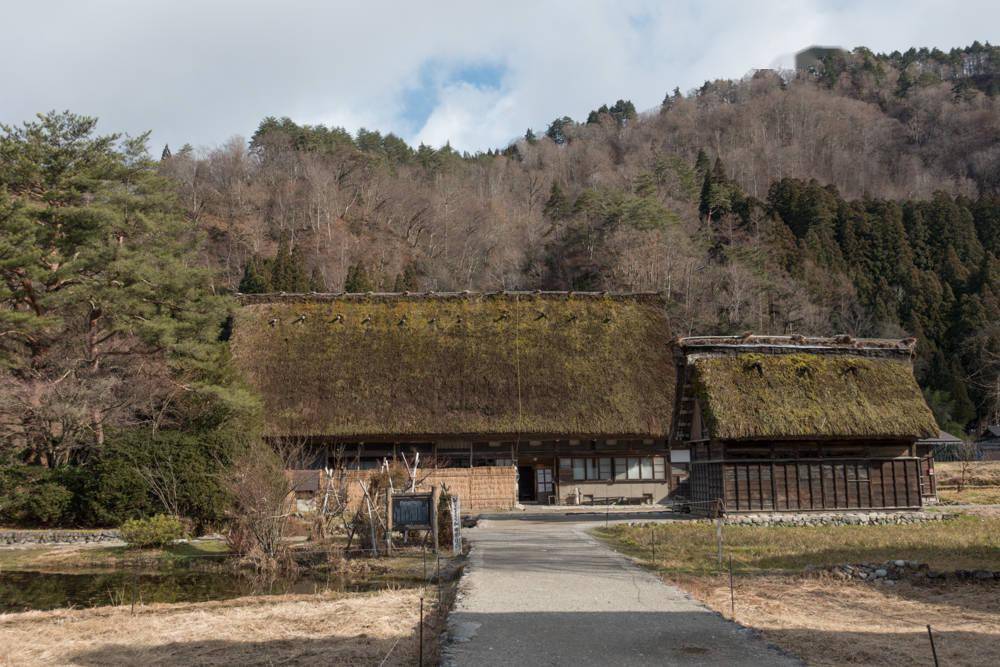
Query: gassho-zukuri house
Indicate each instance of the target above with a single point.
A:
(569, 397)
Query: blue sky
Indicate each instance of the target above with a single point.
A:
(476, 74)
(422, 96)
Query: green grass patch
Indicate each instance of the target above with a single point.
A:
(967, 542)
(66, 557)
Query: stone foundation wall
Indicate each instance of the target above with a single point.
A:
(14, 536)
(834, 519)
(890, 572)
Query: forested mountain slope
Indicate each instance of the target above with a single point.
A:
(860, 198)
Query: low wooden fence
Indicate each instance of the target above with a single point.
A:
(482, 488)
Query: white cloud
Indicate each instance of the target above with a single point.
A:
(202, 71)
(468, 115)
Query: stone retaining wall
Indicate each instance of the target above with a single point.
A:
(14, 536)
(834, 519)
(889, 572)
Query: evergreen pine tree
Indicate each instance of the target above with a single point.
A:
(558, 206)
(407, 280)
(253, 281)
(716, 193)
(316, 282)
(701, 162)
(94, 238)
(557, 129)
(357, 279)
(281, 271)
(297, 278)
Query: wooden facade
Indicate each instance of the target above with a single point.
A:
(550, 471)
(809, 484)
(829, 461)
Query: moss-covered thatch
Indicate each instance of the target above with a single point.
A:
(810, 395)
(383, 366)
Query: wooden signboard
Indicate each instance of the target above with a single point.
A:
(412, 511)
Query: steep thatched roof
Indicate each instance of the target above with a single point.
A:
(505, 364)
(794, 387)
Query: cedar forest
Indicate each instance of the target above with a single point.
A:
(860, 197)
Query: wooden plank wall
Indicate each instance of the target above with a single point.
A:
(705, 483)
(820, 485)
(823, 484)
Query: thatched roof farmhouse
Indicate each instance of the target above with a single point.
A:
(574, 393)
(779, 413)
(548, 381)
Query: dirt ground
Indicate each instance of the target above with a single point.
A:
(828, 622)
(358, 629)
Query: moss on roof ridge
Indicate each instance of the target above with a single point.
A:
(801, 395)
(381, 367)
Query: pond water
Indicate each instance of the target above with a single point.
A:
(27, 590)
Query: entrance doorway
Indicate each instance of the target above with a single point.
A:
(544, 478)
(525, 484)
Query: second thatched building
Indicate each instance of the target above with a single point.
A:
(787, 423)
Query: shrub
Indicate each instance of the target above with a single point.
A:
(33, 496)
(46, 504)
(176, 472)
(156, 531)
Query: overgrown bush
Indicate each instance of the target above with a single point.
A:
(156, 531)
(33, 496)
(46, 505)
(262, 500)
(137, 474)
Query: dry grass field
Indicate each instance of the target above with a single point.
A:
(828, 622)
(832, 622)
(358, 629)
(981, 473)
(982, 483)
(967, 542)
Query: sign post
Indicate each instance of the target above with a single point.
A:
(388, 521)
(435, 499)
(456, 525)
(413, 511)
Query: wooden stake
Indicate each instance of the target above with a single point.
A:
(718, 537)
(135, 576)
(732, 595)
(933, 648)
(388, 521)
(371, 518)
(435, 498)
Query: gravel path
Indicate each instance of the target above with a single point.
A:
(546, 593)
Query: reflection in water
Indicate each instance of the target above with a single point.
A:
(23, 591)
